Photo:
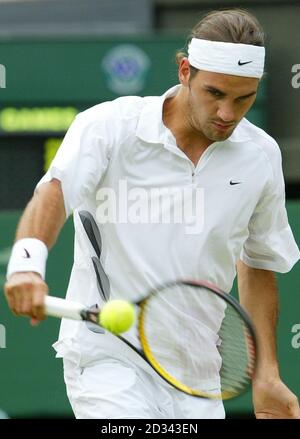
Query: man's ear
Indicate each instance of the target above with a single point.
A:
(184, 72)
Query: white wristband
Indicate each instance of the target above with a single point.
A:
(28, 254)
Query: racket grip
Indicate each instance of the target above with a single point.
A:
(57, 307)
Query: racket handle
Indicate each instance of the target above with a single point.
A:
(57, 307)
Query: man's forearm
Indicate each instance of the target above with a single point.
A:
(44, 215)
(43, 219)
(259, 296)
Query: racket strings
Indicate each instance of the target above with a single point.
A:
(183, 345)
(238, 360)
(197, 341)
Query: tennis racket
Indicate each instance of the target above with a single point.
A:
(196, 337)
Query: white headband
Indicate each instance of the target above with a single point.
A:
(229, 58)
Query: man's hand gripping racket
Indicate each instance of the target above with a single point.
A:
(196, 337)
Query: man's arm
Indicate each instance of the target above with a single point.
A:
(42, 219)
(259, 296)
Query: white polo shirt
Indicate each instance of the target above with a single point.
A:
(114, 159)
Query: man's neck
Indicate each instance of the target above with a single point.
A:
(193, 143)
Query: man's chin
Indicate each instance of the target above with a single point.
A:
(220, 136)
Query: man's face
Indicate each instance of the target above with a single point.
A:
(217, 102)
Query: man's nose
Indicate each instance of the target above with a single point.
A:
(226, 112)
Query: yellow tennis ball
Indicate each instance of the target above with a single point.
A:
(117, 316)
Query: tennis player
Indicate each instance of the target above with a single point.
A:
(116, 159)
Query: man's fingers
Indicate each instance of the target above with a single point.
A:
(293, 408)
(17, 302)
(38, 309)
(25, 294)
(11, 298)
(23, 299)
(25, 303)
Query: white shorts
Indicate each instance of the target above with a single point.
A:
(115, 389)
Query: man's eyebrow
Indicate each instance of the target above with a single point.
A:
(222, 93)
(248, 95)
(214, 90)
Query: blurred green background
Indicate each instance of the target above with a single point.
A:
(59, 60)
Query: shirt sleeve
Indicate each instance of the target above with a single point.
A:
(271, 244)
(83, 156)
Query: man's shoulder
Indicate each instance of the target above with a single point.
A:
(262, 140)
(121, 109)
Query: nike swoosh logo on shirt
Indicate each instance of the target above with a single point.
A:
(240, 63)
(235, 182)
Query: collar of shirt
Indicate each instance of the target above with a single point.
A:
(151, 129)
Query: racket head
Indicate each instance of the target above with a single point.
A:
(198, 338)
